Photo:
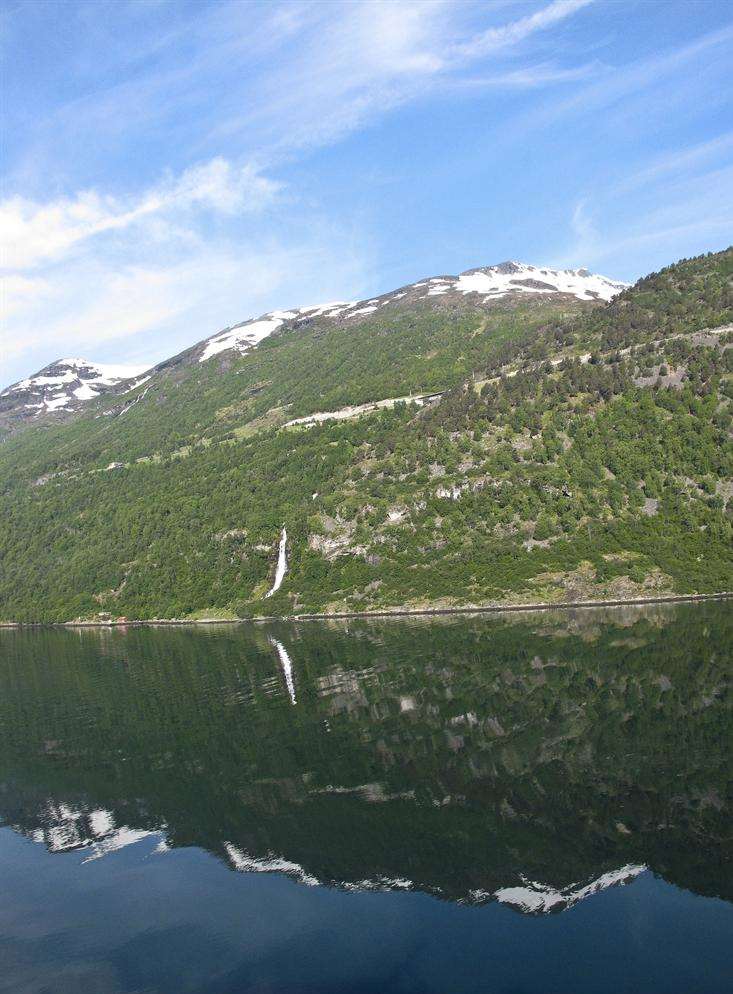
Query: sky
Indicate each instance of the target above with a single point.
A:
(170, 169)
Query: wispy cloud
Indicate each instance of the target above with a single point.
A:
(280, 77)
(695, 206)
(679, 162)
(628, 89)
(529, 77)
(269, 82)
(494, 39)
(32, 232)
(161, 157)
(380, 55)
(156, 307)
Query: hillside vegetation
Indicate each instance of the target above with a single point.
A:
(577, 451)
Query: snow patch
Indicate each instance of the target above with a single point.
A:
(355, 411)
(85, 392)
(514, 277)
(330, 310)
(56, 403)
(242, 339)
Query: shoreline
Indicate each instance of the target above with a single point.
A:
(397, 612)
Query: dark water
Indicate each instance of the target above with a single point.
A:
(521, 804)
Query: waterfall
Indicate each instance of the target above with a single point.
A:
(282, 565)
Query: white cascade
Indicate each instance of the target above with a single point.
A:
(282, 565)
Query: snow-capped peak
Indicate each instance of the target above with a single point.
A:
(103, 373)
(69, 382)
(488, 283)
(66, 382)
(244, 337)
(519, 277)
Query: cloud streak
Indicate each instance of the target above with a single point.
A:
(495, 39)
(33, 232)
(160, 180)
(91, 265)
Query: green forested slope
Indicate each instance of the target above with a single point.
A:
(576, 452)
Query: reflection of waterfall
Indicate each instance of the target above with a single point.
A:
(281, 565)
(287, 666)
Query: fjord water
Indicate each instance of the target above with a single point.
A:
(515, 803)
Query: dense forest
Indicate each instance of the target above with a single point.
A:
(575, 451)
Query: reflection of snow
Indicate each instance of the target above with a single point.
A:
(287, 666)
(536, 898)
(380, 883)
(120, 838)
(245, 863)
(532, 898)
(66, 829)
(281, 565)
(271, 863)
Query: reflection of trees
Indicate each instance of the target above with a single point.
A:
(455, 752)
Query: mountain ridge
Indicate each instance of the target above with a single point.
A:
(445, 450)
(31, 397)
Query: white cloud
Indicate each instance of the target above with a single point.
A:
(141, 312)
(32, 232)
(584, 231)
(85, 270)
(377, 56)
(514, 32)
(540, 74)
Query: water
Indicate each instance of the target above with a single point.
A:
(525, 804)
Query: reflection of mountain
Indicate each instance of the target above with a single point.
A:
(65, 829)
(468, 758)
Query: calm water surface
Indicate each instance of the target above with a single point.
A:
(534, 804)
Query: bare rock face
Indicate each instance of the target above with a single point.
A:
(336, 543)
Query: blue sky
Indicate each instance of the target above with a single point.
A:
(173, 168)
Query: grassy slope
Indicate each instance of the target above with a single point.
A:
(619, 488)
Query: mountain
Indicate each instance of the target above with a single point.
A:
(509, 434)
(66, 385)
(490, 283)
(63, 387)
